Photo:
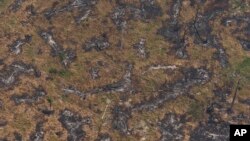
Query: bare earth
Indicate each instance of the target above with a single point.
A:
(123, 70)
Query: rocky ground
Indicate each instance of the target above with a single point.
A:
(123, 70)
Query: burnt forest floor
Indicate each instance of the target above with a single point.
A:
(123, 70)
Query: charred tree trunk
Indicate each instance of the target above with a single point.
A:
(235, 94)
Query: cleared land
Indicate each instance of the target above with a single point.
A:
(123, 70)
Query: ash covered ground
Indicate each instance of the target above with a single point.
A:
(123, 70)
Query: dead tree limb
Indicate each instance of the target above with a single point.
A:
(235, 93)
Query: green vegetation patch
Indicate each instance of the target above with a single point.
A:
(62, 73)
(244, 68)
(196, 111)
(65, 73)
(52, 70)
(3, 3)
(240, 5)
(62, 56)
